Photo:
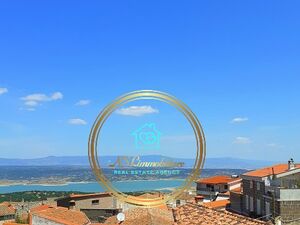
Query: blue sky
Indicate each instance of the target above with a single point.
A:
(227, 60)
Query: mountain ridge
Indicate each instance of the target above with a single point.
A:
(210, 162)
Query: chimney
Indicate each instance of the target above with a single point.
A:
(291, 164)
(72, 204)
(278, 221)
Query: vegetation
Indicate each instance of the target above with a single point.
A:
(34, 195)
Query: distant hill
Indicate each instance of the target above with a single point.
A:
(210, 163)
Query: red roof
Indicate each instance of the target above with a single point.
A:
(189, 214)
(217, 204)
(199, 197)
(93, 195)
(237, 190)
(144, 216)
(222, 179)
(39, 208)
(63, 216)
(6, 209)
(267, 171)
(13, 223)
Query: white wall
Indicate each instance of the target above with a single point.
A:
(36, 220)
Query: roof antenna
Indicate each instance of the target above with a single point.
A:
(291, 164)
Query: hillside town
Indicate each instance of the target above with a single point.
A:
(269, 195)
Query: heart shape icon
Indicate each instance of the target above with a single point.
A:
(147, 137)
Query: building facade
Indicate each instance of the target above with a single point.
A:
(269, 193)
(97, 207)
(7, 211)
(48, 215)
(217, 187)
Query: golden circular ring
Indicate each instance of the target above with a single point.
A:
(138, 95)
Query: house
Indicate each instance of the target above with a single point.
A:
(269, 192)
(217, 187)
(7, 211)
(220, 205)
(145, 216)
(97, 206)
(183, 198)
(236, 200)
(49, 215)
(194, 214)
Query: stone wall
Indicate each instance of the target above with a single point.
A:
(236, 202)
(256, 193)
(107, 202)
(289, 210)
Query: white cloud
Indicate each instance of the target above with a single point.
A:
(83, 102)
(34, 100)
(56, 96)
(137, 110)
(239, 120)
(31, 103)
(30, 109)
(274, 145)
(77, 121)
(242, 140)
(3, 90)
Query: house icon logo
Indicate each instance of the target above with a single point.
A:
(147, 137)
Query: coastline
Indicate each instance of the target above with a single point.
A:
(8, 184)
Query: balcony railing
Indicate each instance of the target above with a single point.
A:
(289, 194)
(285, 193)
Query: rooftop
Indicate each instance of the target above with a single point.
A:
(192, 214)
(271, 170)
(217, 204)
(83, 196)
(144, 216)
(238, 190)
(13, 223)
(221, 179)
(62, 215)
(39, 208)
(6, 209)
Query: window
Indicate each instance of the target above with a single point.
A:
(247, 202)
(258, 207)
(251, 204)
(268, 211)
(95, 202)
(251, 184)
(72, 203)
(226, 187)
(210, 187)
(258, 186)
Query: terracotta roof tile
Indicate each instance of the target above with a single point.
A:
(144, 216)
(13, 223)
(217, 204)
(6, 209)
(237, 190)
(199, 197)
(267, 171)
(222, 179)
(192, 214)
(63, 215)
(40, 208)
